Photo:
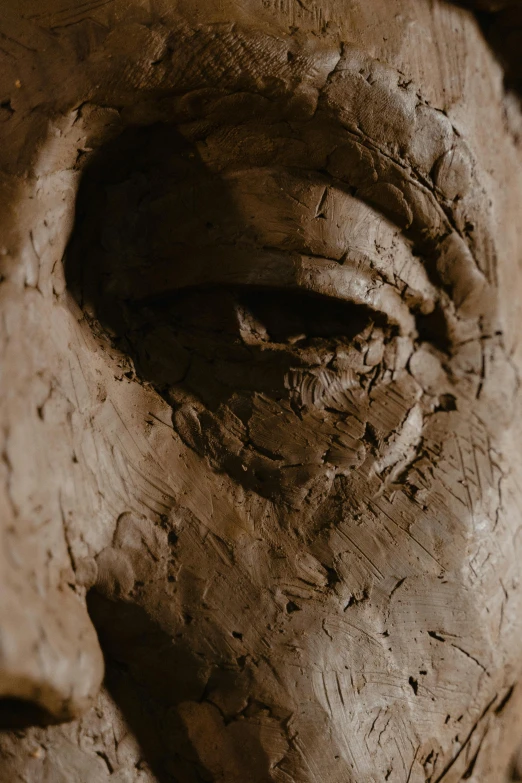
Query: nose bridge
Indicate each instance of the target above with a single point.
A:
(49, 652)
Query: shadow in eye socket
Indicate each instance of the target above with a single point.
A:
(148, 694)
(144, 199)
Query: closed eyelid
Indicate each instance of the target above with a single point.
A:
(353, 281)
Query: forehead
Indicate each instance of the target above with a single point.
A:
(430, 41)
(433, 43)
(406, 33)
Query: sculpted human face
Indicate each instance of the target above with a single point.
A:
(261, 345)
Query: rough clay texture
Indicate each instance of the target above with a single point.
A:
(260, 297)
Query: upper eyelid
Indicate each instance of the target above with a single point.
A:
(354, 281)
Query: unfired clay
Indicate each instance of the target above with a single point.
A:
(260, 416)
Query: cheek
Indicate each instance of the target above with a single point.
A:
(244, 609)
(370, 592)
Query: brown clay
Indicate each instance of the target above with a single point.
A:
(260, 420)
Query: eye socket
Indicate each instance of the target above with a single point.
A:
(259, 315)
(21, 714)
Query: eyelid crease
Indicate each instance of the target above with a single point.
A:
(354, 281)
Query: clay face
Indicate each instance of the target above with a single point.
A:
(261, 322)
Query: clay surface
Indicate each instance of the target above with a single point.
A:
(260, 336)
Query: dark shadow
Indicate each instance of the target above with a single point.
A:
(501, 24)
(21, 714)
(148, 674)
